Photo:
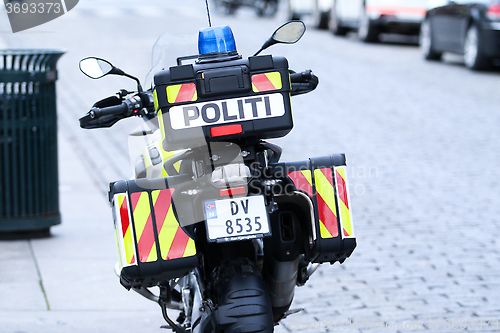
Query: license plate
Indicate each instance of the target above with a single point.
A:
(236, 219)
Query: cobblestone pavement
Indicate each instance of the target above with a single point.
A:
(421, 140)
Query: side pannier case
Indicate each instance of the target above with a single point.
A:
(223, 101)
(324, 179)
(152, 247)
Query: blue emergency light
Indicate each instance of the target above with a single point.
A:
(216, 39)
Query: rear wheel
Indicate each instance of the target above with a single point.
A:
(426, 43)
(334, 22)
(243, 300)
(368, 32)
(473, 56)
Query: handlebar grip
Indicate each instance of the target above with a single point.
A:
(303, 82)
(96, 112)
(301, 77)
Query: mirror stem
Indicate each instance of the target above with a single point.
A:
(118, 71)
(267, 44)
(139, 87)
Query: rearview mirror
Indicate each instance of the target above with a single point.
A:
(95, 68)
(289, 33)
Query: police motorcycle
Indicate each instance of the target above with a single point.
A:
(212, 218)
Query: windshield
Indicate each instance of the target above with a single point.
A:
(166, 50)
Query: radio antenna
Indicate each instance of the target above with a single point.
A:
(208, 14)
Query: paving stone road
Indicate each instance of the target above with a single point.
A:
(422, 141)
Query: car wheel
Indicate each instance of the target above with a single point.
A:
(320, 18)
(473, 55)
(334, 23)
(367, 31)
(426, 43)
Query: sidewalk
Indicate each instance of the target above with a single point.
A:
(66, 283)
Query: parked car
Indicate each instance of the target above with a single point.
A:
(369, 17)
(373, 17)
(468, 27)
(319, 9)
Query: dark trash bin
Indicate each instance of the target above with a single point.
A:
(29, 193)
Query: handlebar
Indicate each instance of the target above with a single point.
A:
(108, 111)
(300, 77)
(128, 107)
(96, 112)
(303, 82)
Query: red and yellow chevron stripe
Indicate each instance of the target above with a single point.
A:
(174, 243)
(143, 224)
(124, 231)
(266, 82)
(343, 195)
(182, 93)
(326, 203)
(302, 180)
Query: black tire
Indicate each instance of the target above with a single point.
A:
(426, 42)
(334, 22)
(368, 32)
(320, 18)
(244, 304)
(474, 57)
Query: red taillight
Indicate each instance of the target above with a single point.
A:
(226, 130)
(232, 191)
(493, 12)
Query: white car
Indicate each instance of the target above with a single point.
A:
(368, 17)
(320, 9)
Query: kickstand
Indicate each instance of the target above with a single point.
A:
(171, 324)
(291, 312)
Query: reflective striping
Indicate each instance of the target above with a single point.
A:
(174, 243)
(266, 82)
(343, 196)
(190, 249)
(119, 247)
(155, 99)
(146, 158)
(302, 180)
(178, 244)
(326, 203)
(128, 240)
(165, 154)
(166, 223)
(143, 224)
(182, 93)
(135, 233)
